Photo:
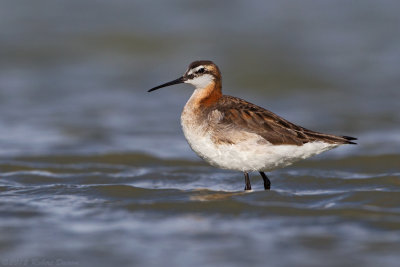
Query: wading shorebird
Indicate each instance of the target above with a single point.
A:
(231, 133)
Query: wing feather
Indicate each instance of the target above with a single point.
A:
(239, 114)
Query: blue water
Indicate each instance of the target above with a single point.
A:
(96, 171)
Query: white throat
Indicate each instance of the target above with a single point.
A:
(201, 81)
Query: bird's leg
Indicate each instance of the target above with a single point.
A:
(267, 182)
(247, 180)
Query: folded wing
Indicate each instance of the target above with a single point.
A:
(242, 115)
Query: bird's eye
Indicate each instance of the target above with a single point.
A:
(201, 70)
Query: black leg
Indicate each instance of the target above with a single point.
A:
(247, 180)
(267, 182)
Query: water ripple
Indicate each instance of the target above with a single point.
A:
(136, 198)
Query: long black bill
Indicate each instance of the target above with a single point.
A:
(177, 81)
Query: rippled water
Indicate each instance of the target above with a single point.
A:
(94, 171)
(138, 209)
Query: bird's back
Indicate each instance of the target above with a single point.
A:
(239, 115)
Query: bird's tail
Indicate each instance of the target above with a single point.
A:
(331, 138)
(349, 139)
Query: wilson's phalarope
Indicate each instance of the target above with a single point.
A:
(231, 133)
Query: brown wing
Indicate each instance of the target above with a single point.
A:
(242, 115)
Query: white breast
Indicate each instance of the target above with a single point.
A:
(251, 153)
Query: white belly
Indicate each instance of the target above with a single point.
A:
(249, 154)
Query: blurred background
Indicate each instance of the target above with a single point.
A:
(74, 74)
(74, 108)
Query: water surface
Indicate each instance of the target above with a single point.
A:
(94, 171)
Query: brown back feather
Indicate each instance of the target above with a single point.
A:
(245, 116)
